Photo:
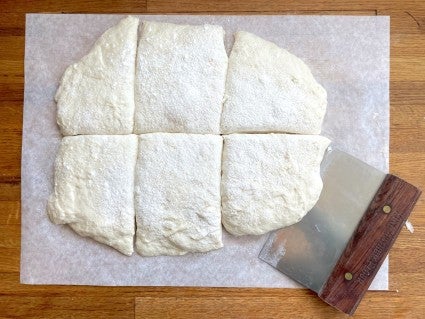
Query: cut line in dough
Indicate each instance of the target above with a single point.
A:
(170, 183)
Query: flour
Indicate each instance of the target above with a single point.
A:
(96, 94)
(94, 187)
(270, 90)
(269, 181)
(180, 78)
(178, 194)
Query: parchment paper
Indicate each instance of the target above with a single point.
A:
(349, 56)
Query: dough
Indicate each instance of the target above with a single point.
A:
(96, 94)
(270, 90)
(94, 188)
(180, 78)
(269, 180)
(178, 194)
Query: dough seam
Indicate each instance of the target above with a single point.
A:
(222, 133)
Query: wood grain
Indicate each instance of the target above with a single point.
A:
(36, 307)
(76, 6)
(277, 6)
(407, 159)
(293, 304)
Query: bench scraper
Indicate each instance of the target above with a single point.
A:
(337, 248)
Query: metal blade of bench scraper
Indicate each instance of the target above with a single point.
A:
(308, 251)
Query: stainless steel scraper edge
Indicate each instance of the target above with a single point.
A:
(337, 248)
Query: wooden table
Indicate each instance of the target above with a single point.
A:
(406, 298)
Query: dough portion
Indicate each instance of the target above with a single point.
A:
(96, 94)
(178, 194)
(269, 181)
(270, 90)
(94, 188)
(180, 78)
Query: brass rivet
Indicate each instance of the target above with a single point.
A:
(348, 276)
(386, 209)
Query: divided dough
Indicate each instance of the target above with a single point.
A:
(178, 194)
(94, 188)
(269, 181)
(96, 94)
(168, 180)
(180, 78)
(270, 90)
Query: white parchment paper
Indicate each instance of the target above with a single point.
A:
(349, 56)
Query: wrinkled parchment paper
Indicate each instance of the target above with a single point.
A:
(349, 56)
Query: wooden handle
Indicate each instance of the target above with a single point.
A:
(370, 244)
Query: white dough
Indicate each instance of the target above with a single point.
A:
(94, 188)
(96, 94)
(269, 181)
(178, 194)
(270, 90)
(180, 78)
